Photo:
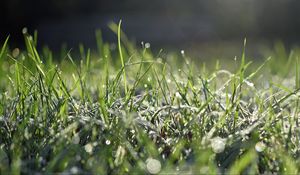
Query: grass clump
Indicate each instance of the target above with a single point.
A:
(161, 115)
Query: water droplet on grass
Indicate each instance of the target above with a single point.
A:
(24, 30)
(88, 148)
(187, 62)
(177, 94)
(76, 139)
(16, 52)
(74, 170)
(159, 60)
(95, 144)
(147, 45)
(27, 135)
(218, 144)
(250, 84)
(107, 142)
(182, 52)
(260, 146)
(153, 166)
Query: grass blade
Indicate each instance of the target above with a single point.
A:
(121, 55)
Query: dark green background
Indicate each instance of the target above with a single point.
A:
(161, 22)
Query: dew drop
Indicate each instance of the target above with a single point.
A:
(218, 144)
(16, 52)
(250, 84)
(24, 30)
(147, 45)
(260, 146)
(182, 52)
(74, 170)
(159, 60)
(95, 144)
(107, 142)
(177, 94)
(27, 135)
(153, 166)
(76, 139)
(88, 148)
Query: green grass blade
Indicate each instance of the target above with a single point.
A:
(297, 78)
(4, 47)
(121, 56)
(240, 165)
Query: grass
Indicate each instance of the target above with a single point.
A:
(128, 110)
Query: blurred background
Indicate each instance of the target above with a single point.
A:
(212, 28)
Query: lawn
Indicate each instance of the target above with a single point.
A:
(127, 110)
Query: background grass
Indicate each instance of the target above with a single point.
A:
(128, 110)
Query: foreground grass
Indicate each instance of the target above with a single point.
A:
(130, 111)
